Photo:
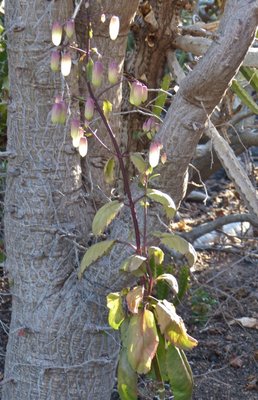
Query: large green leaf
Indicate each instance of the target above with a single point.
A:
(179, 244)
(109, 171)
(139, 162)
(179, 373)
(126, 378)
(94, 253)
(172, 326)
(133, 263)
(116, 314)
(244, 96)
(142, 341)
(163, 199)
(105, 216)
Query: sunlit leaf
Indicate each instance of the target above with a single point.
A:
(109, 171)
(132, 263)
(179, 373)
(105, 216)
(164, 199)
(172, 326)
(94, 253)
(244, 96)
(134, 299)
(171, 281)
(139, 162)
(162, 97)
(116, 314)
(126, 378)
(142, 341)
(157, 254)
(179, 244)
(107, 108)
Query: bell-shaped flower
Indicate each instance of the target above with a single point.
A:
(113, 72)
(89, 109)
(55, 60)
(75, 125)
(57, 32)
(114, 27)
(59, 112)
(69, 28)
(77, 137)
(66, 64)
(150, 125)
(138, 93)
(97, 74)
(154, 153)
(83, 146)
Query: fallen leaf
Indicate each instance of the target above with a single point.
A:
(248, 322)
(236, 362)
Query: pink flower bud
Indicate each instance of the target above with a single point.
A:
(150, 125)
(69, 28)
(55, 60)
(97, 74)
(154, 153)
(83, 146)
(59, 112)
(77, 138)
(89, 109)
(75, 125)
(66, 64)
(144, 93)
(114, 26)
(57, 31)
(113, 72)
(136, 93)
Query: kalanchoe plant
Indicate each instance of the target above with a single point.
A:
(153, 335)
(57, 32)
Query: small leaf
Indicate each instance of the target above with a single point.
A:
(162, 97)
(244, 96)
(179, 373)
(94, 253)
(132, 263)
(157, 254)
(139, 162)
(134, 299)
(170, 279)
(172, 326)
(251, 75)
(142, 341)
(105, 216)
(126, 378)
(179, 244)
(107, 108)
(109, 171)
(163, 199)
(116, 314)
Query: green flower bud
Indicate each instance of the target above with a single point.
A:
(113, 72)
(97, 74)
(89, 109)
(55, 60)
(69, 28)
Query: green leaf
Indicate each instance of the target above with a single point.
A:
(107, 108)
(126, 378)
(179, 244)
(89, 68)
(171, 281)
(163, 199)
(116, 314)
(105, 216)
(94, 253)
(179, 373)
(183, 282)
(251, 75)
(139, 162)
(157, 254)
(244, 96)
(142, 341)
(162, 97)
(172, 326)
(132, 263)
(109, 171)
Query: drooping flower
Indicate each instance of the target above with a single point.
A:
(103, 18)
(66, 64)
(75, 125)
(138, 93)
(83, 146)
(150, 125)
(59, 111)
(154, 153)
(97, 74)
(113, 72)
(57, 32)
(55, 60)
(114, 27)
(89, 109)
(77, 137)
(69, 28)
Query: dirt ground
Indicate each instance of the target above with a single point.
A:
(224, 288)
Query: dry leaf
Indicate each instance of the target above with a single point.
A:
(236, 362)
(248, 322)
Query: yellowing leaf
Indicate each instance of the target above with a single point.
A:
(109, 171)
(105, 216)
(179, 244)
(94, 253)
(134, 299)
(139, 162)
(179, 373)
(163, 199)
(132, 263)
(170, 279)
(107, 108)
(142, 341)
(126, 378)
(116, 314)
(157, 253)
(172, 326)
